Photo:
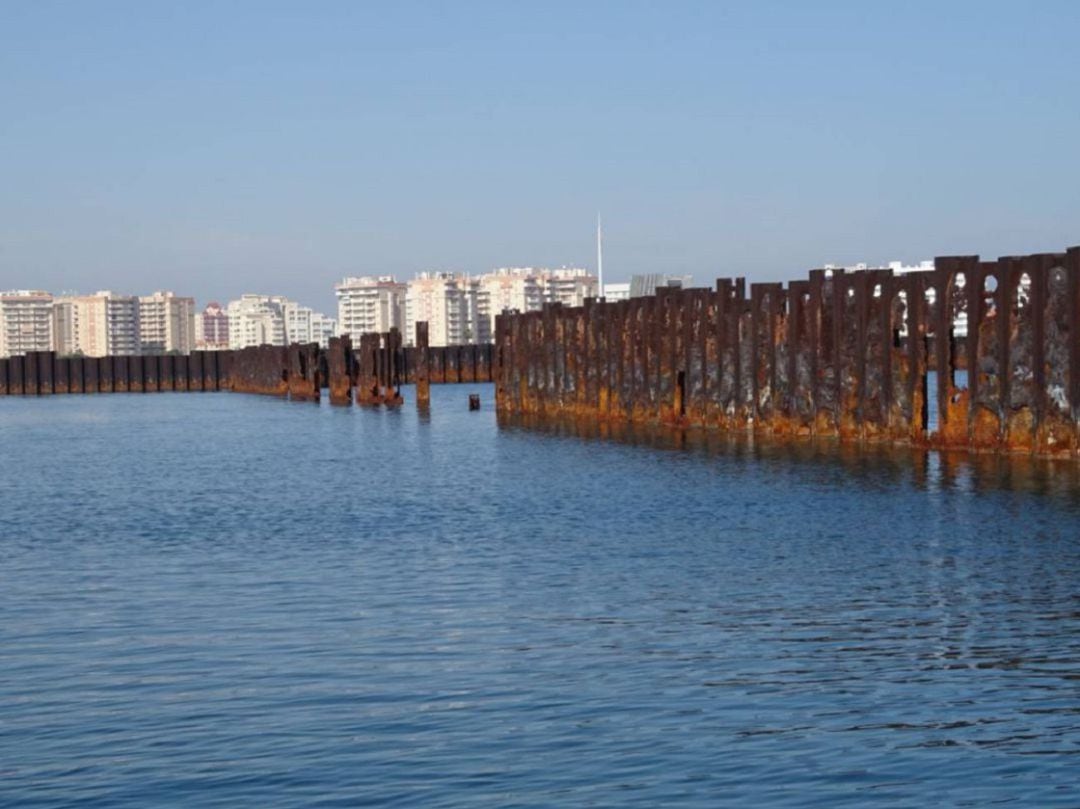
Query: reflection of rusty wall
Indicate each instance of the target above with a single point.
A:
(839, 354)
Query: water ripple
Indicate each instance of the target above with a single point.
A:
(226, 600)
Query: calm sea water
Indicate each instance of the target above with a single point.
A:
(213, 599)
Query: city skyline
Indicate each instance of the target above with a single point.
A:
(459, 308)
(229, 148)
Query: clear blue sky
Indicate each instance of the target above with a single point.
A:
(214, 148)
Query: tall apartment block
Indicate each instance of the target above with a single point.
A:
(26, 322)
(370, 304)
(450, 304)
(517, 288)
(569, 286)
(97, 325)
(166, 323)
(65, 326)
(122, 323)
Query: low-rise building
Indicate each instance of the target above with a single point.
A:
(644, 286)
(617, 292)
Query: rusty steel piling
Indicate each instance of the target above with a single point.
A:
(422, 370)
(339, 369)
(846, 355)
(303, 374)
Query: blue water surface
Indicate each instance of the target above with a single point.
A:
(227, 600)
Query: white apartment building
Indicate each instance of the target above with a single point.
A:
(166, 323)
(370, 304)
(65, 326)
(617, 292)
(26, 322)
(97, 325)
(569, 286)
(304, 325)
(322, 329)
(449, 302)
(527, 289)
(256, 320)
(79, 325)
(899, 267)
(517, 288)
(458, 308)
(122, 323)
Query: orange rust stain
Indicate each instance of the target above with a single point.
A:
(953, 429)
(985, 429)
(1055, 437)
(1019, 430)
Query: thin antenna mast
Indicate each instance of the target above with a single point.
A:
(599, 258)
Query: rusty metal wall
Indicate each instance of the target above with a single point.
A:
(839, 354)
(292, 371)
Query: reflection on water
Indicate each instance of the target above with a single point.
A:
(219, 599)
(928, 469)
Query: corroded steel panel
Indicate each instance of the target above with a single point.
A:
(483, 363)
(62, 374)
(135, 374)
(338, 371)
(367, 386)
(76, 383)
(421, 372)
(195, 370)
(151, 378)
(167, 372)
(303, 370)
(843, 354)
(453, 364)
(181, 374)
(31, 379)
(256, 369)
(112, 374)
(45, 360)
(91, 374)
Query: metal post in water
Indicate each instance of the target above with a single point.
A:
(423, 376)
